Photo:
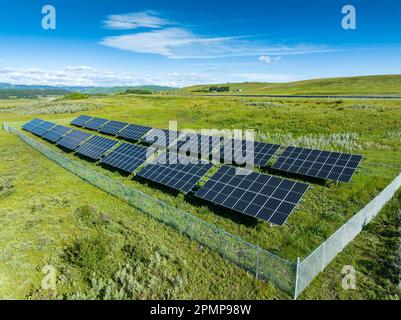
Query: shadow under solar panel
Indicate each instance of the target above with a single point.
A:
(177, 173)
(95, 147)
(258, 195)
(126, 157)
(319, 164)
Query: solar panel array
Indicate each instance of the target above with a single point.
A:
(126, 157)
(175, 171)
(95, 123)
(113, 127)
(29, 126)
(81, 120)
(258, 195)
(56, 133)
(320, 164)
(235, 151)
(72, 140)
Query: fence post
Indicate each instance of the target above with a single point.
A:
(296, 278)
(323, 255)
(257, 264)
(225, 245)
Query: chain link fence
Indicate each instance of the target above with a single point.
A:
(312, 265)
(261, 263)
(292, 278)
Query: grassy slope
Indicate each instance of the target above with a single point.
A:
(369, 85)
(326, 207)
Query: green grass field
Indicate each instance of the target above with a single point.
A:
(369, 85)
(133, 256)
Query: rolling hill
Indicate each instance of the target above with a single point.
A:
(366, 85)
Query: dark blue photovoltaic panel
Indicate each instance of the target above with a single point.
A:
(258, 195)
(41, 129)
(95, 147)
(113, 127)
(81, 120)
(319, 164)
(72, 140)
(126, 157)
(160, 138)
(56, 133)
(32, 124)
(95, 123)
(237, 152)
(175, 171)
(134, 132)
(197, 144)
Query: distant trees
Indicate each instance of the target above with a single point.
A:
(214, 89)
(76, 96)
(138, 91)
(30, 93)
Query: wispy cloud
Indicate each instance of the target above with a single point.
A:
(179, 43)
(89, 76)
(129, 21)
(270, 60)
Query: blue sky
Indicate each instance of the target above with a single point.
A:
(180, 43)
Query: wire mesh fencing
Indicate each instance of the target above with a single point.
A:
(261, 263)
(312, 265)
(292, 278)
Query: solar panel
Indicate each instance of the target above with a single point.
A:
(95, 147)
(112, 127)
(95, 123)
(41, 129)
(320, 164)
(160, 138)
(258, 195)
(177, 172)
(235, 151)
(190, 144)
(133, 132)
(56, 133)
(73, 139)
(126, 157)
(32, 124)
(80, 121)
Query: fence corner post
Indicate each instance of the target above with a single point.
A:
(296, 278)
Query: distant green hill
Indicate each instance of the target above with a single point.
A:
(30, 93)
(122, 89)
(367, 85)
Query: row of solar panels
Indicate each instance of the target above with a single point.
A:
(306, 162)
(258, 195)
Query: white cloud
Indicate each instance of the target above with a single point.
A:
(89, 76)
(264, 77)
(146, 19)
(269, 59)
(179, 43)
